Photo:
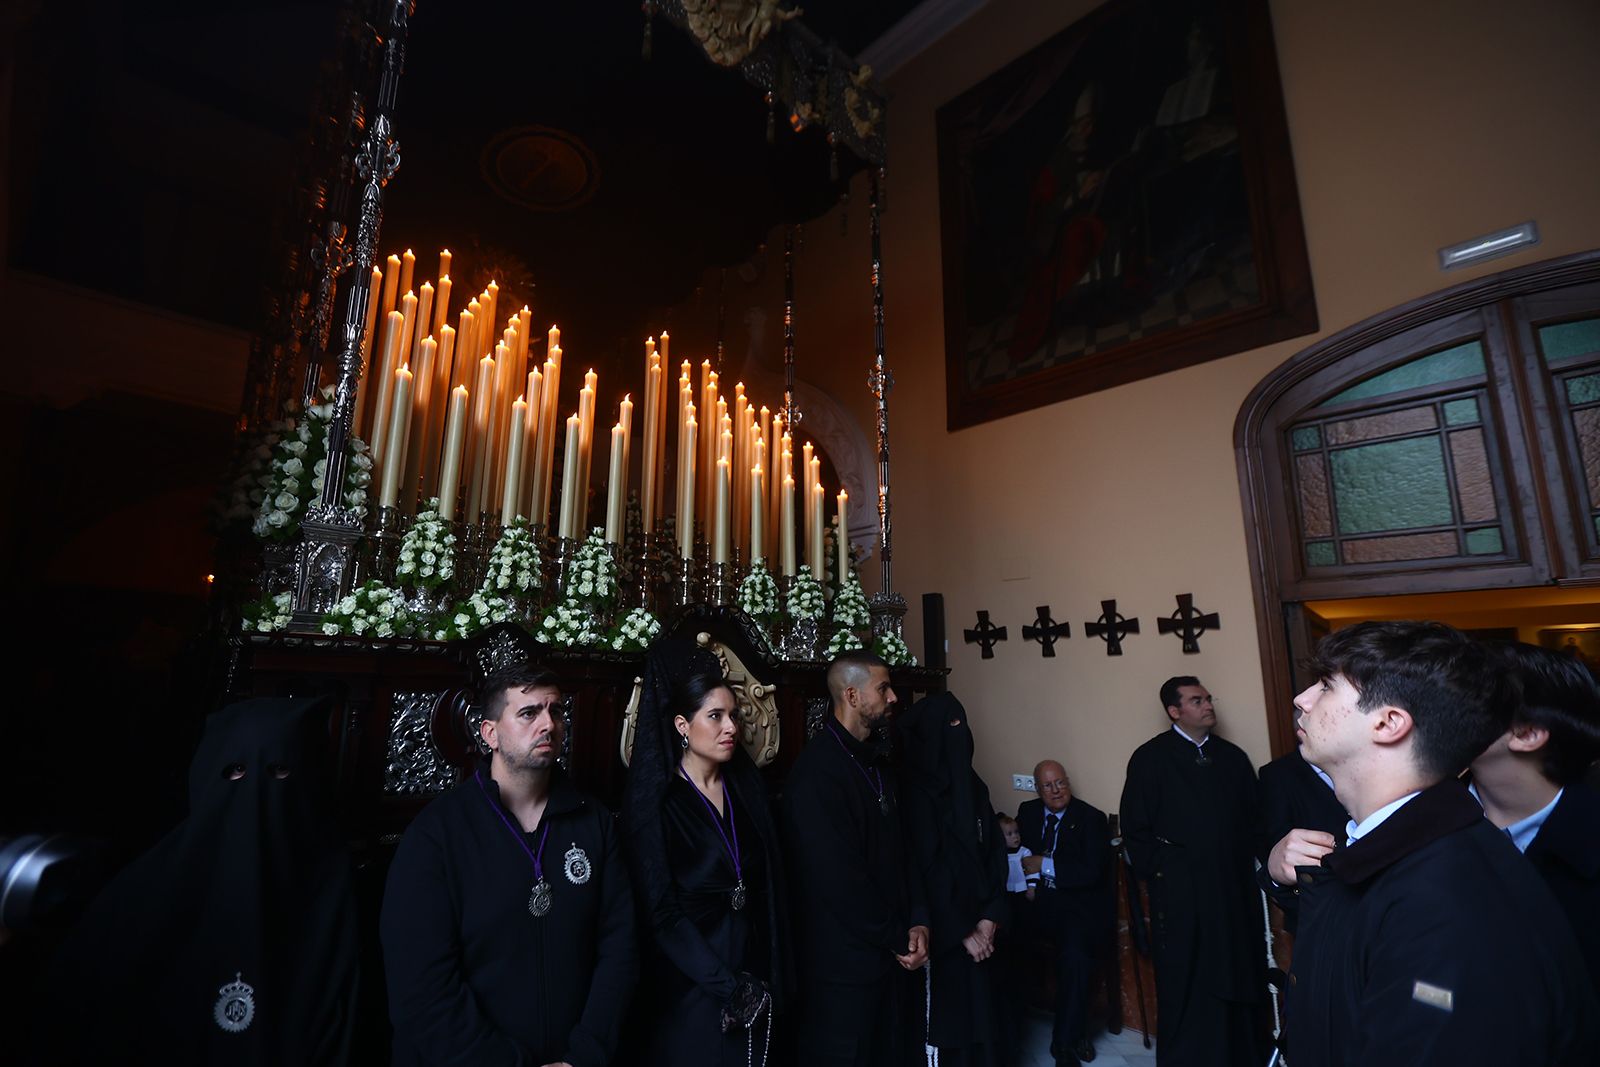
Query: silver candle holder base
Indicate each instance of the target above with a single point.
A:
(719, 584)
(686, 587)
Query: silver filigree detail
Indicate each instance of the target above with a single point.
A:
(414, 764)
(817, 709)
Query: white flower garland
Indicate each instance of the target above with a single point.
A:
(758, 592)
(479, 611)
(427, 551)
(514, 563)
(843, 641)
(592, 574)
(893, 651)
(635, 632)
(850, 607)
(569, 623)
(805, 596)
(374, 610)
(269, 614)
(299, 461)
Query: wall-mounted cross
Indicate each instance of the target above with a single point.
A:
(1189, 623)
(986, 635)
(1111, 627)
(1046, 631)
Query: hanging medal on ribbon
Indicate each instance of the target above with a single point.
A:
(737, 897)
(542, 897)
(874, 780)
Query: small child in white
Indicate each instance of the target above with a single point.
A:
(1016, 880)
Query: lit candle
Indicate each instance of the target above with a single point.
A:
(719, 541)
(408, 326)
(841, 541)
(806, 482)
(491, 304)
(438, 404)
(391, 284)
(815, 540)
(399, 424)
(786, 525)
(569, 478)
(408, 263)
(686, 489)
(423, 317)
(530, 443)
(482, 396)
(625, 417)
(511, 490)
(441, 301)
(652, 411)
(455, 435)
(547, 435)
(585, 449)
(418, 426)
(616, 483)
(757, 494)
(444, 263)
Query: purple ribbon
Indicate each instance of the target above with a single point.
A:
(538, 867)
(878, 788)
(731, 846)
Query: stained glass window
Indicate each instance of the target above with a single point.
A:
(1460, 363)
(1569, 340)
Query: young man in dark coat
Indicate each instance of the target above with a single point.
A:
(859, 909)
(1299, 811)
(1426, 939)
(508, 926)
(1530, 783)
(1069, 841)
(1189, 822)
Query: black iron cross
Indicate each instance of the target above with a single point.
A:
(1046, 631)
(1189, 623)
(1111, 627)
(986, 635)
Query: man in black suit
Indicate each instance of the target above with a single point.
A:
(1426, 939)
(1069, 842)
(1530, 783)
(1298, 811)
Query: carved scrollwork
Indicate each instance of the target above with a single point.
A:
(758, 706)
(414, 764)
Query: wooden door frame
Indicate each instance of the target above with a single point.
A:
(1257, 483)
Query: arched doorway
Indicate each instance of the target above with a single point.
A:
(1451, 443)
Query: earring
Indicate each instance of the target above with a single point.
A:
(683, 739)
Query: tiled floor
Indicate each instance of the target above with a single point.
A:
(1122, 1050)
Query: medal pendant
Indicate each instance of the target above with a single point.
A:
(540, 899)
(738, 897)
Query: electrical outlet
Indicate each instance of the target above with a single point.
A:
(1022, 783)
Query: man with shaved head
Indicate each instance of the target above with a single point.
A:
(1068, 839)
(860, 912)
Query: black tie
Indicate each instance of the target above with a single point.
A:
(1052, 824)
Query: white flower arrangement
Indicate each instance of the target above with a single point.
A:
(269, 614)
(427, 552)
(843, 641)
(758, 592)
(850, 608)
(374, 610)
(570, 623)
(298, 463)
(893, 651)
(830, 550)
(479, 611)
(805, 596)
(635, 632)
(514, 563)
(592, 574)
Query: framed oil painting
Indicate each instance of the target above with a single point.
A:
(1117, 203)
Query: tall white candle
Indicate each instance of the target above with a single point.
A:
(455, 435)
(786, 525)
(758, 548)
(686, 492)
(841, 537)
(616, 484)
(511, 489)
(569, 478)
(417, 439)
(383, 403)
(399, 423)
(818, 494)
(721, 509)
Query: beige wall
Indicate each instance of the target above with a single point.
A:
(1413, 125)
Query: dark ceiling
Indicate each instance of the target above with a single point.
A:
(154, 152)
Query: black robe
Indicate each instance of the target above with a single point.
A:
(473, 976)
(233, 940)
(1190, 830)
(857, 896)
(1293, 797)
(960, 855)
(1567, 853)
(1431, 941)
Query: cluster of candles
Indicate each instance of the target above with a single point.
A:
(457, 412)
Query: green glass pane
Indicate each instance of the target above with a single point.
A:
(1392, 485)
(1597, 527)
(1453, 364)
(1320, 554)
(1584, 390)
(1484, 542)
(1307, 437)
(1461, 412)
(1569, 339)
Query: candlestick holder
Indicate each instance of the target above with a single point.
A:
(566, 549)
(719, 584)
(800, 639)
(644, 572)
(328, 539)
(388, 528)
(686, 590)
(888, 614)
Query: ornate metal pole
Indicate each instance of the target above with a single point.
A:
(888, 607)
(791, 411)
(330, 257)
(330, 530)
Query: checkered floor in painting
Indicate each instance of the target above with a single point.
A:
(989, 359)
(1121, 1050)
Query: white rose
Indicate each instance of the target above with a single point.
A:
(330, 628)
(384, 630)
(358, 625)
(277, 520)
(297, 448)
